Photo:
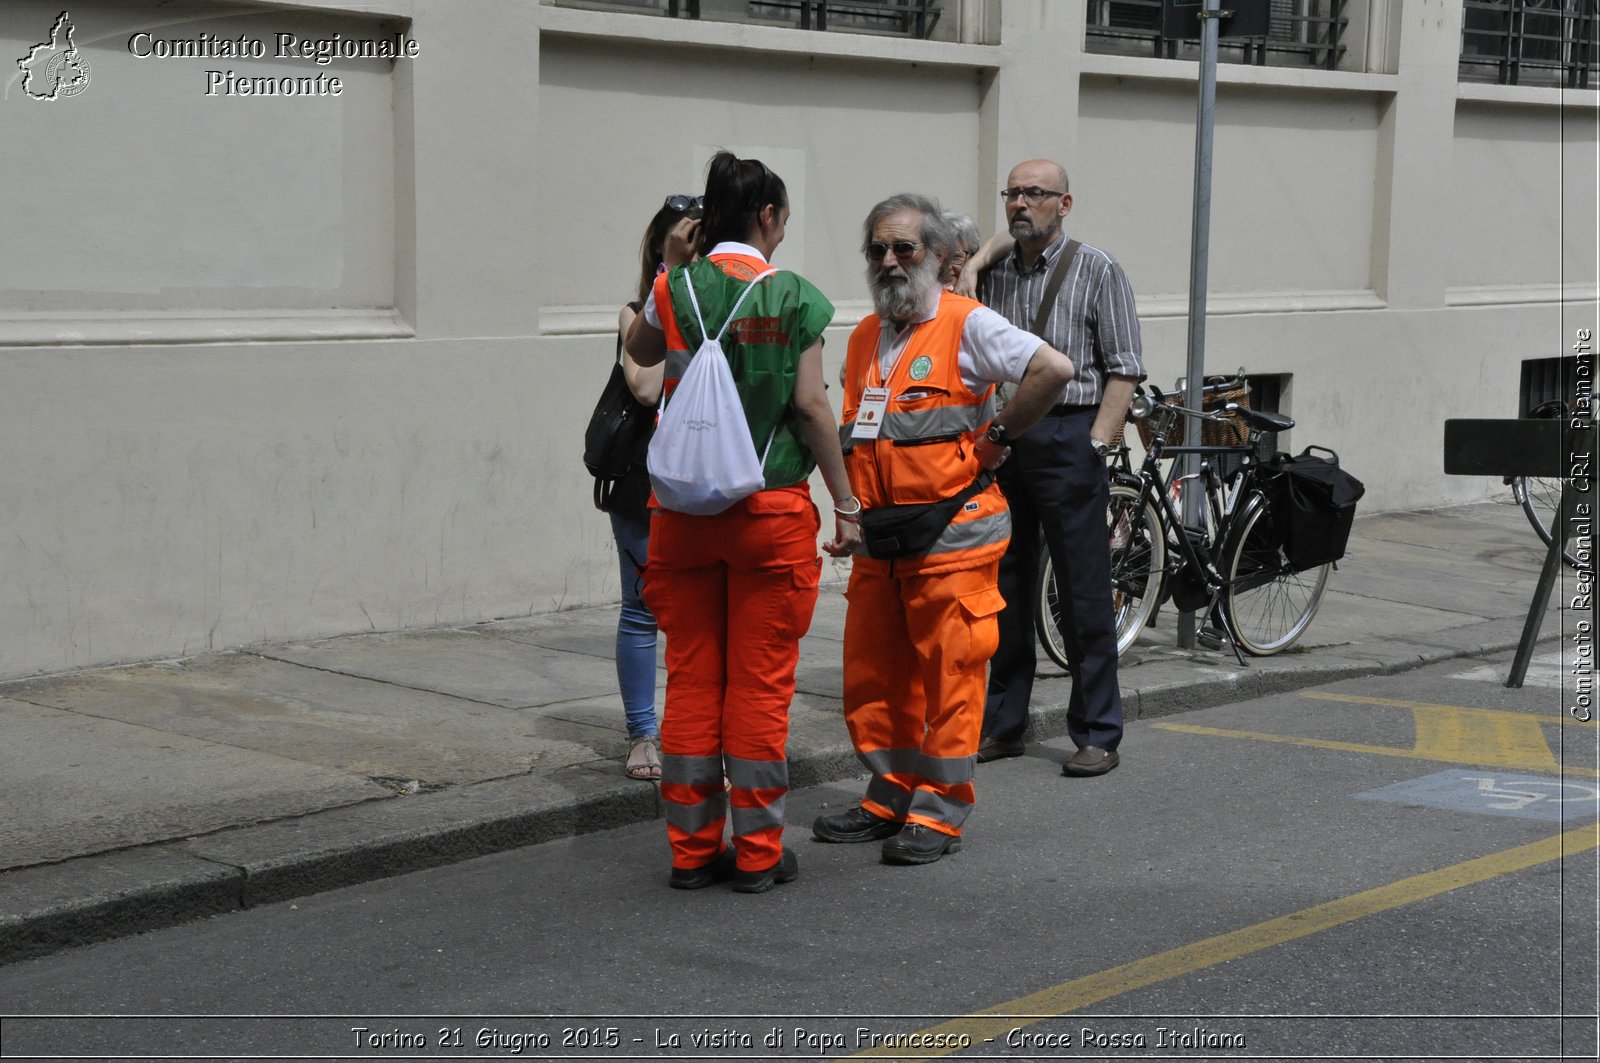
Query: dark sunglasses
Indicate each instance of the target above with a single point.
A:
(684, 204)
(901, 249)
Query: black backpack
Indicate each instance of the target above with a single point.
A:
(618, 437)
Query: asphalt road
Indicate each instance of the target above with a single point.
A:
(1376, 869)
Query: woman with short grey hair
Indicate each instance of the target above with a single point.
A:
(967, 242)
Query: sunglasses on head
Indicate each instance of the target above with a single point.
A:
(901, 249)
(684, 204)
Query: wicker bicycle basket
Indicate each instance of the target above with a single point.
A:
(1231, 432)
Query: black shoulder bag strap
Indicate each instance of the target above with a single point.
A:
(638, 308)
(1058, 273)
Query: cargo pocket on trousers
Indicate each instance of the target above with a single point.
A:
(980, 613)
(807, 577)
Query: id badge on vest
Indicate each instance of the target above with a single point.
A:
(869, 413)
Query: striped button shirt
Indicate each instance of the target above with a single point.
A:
(1094, 322)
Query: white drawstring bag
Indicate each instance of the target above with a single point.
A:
(701, 459)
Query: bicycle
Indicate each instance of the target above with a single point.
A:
(1233, 566)
(1538, 495)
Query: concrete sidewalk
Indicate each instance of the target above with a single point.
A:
(142, 796)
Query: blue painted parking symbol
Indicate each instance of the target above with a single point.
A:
(1496, 794)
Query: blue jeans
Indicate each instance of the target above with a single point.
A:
(636, 631)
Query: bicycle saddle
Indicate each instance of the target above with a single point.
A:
(1266, 422)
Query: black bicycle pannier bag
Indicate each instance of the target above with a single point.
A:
(1313, 505)
(911, 529)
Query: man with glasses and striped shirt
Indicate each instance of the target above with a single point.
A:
(1077, 299)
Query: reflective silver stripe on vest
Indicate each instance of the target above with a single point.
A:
(748, 821)
(925, 424)
(916, 762)
(677, 364)
(757, 774)
(892, 761)
(935, 806)
(694, 818)
(895, 798)
(691, 771)
(971, 534)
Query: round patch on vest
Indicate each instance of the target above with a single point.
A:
(921, 367)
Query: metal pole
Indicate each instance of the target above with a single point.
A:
(1199, 250)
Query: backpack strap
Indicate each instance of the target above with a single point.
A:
(701, 321)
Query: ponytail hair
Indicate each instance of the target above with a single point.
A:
(736, 191)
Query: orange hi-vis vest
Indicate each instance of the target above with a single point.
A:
(925, 450)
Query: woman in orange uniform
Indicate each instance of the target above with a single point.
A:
(734, 591)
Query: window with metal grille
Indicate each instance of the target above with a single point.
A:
(1516, 42)
(901, 18)
(1296, 32)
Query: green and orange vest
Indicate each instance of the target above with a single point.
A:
(784, 316)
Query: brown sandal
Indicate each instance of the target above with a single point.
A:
(644, 760)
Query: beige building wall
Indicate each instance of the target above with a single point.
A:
(277, 368)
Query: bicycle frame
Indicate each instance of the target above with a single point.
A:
(1197, 549)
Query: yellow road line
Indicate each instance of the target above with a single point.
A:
(1487, 756)
(1457, 734)
(1362, 699)
(1080, 993)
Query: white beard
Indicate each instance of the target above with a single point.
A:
(903, 300)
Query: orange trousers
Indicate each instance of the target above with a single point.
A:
(916, 648)
(733, 592)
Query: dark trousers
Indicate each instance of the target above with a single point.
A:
(1055, 483)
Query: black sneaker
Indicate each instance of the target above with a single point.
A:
(856, 825)
(698, 878)
(787, 869)
(917, 844)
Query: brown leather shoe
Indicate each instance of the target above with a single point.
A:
(999, 749)
(1091, 760)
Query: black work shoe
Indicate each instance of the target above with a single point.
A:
(917, 844)
(698, 878)
(787, 869)
(856, 825)
(1000, 749)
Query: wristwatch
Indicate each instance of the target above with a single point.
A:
(997, 435)
(1100, 449)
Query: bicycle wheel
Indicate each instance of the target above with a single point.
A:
(1269, 605)
(1138, 560)
(1538, 496)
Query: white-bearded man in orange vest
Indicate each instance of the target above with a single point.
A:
(919, 427)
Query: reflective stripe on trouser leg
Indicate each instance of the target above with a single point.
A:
(883, 691)
(696, 805)
(688, 604)
(758, 790)
(953, 620)
(768, 610)
(947, 625)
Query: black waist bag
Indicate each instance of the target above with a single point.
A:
(1313, 505)
(909, 530)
